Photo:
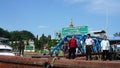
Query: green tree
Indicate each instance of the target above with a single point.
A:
(36, 44)
(4, 33)
(15, 35)
(45, 40)
(25, 35)
(42, 41)
(53, 42)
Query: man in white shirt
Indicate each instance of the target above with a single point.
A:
(89, 43)
(105, 47)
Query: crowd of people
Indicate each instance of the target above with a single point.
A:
(71, 45)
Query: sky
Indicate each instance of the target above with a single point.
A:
(49, 16)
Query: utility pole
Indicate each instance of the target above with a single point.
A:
(107, 21)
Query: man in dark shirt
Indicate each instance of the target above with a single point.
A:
(21, 48)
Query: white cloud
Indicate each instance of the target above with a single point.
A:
(42, 27)
(98, 6)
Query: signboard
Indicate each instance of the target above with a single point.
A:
(75, 30)
(28, 47)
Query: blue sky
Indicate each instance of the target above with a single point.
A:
(48, 16)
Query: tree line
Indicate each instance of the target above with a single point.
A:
(39, 42)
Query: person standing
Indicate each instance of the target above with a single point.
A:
(72, 47)
(65, 48)
(21, 48)
(105, 47)
(114, 50)
(88, 43)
